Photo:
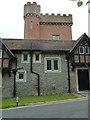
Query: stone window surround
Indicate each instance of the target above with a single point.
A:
(52, 59)
(34, 58)
(22, 58)
(17, 76)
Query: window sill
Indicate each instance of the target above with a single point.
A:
(25, 62)
(20, 80)
(52, 71)
(37, 62)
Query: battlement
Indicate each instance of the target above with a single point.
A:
(44, 26)
(31, 8)
(56, 18)
(56, 15)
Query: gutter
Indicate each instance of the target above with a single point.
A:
(14, 85)
(38, 76)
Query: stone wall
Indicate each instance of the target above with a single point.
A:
(50, 83)
(7, 86)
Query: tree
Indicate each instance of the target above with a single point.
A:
(80, 3)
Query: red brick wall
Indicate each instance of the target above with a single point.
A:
(61, 24)
(46, 32)
(31, 32)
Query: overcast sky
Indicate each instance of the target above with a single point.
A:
(12, 22)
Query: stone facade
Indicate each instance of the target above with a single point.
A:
(7, 86)
(50, 83)
(59, 59)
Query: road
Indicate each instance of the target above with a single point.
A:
(67, 109)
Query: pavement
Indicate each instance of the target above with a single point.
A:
(83, 94)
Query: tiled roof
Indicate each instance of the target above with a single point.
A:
(43, 45)
(83, 36)
(7, 48)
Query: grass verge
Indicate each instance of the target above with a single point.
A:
(23, 101)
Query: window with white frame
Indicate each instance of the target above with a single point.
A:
(37, 58)
(84, 50)
(25, 58)
(56, 37)
(81, 50)
(21, 76)
(87, 50)
(52, 64)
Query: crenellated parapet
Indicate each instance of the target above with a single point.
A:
(56, 15)
(44, 26)
(56, 19)
(31, 9)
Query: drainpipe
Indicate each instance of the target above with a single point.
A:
(38, 76)
(68, 69)
(14, 86)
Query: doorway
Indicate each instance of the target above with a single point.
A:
(83, 80)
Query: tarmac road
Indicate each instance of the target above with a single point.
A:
(66, 109)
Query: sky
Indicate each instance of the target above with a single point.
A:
(12, 22)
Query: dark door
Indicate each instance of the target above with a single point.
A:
(83, 80)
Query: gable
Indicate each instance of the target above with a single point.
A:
(80, 52)
(84, 40)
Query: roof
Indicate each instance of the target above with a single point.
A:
(80, 39)
(5, 47)
(43, 45)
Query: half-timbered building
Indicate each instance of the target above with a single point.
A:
(47, 60)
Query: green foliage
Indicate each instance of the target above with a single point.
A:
(88, 2)
(23, 101)
(80, 3)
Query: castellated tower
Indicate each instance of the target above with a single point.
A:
(32, 18)
(46, 27)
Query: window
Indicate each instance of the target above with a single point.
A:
(48, 64)
(56, 37)
(37, 58)
(52, 64)
(81, 50)
(25, 58)
(56, 65)
(84, 50)
(21, 76)
(87, 50)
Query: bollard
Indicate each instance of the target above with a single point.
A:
(16, 101)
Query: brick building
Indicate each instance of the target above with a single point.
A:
(47, 60)
(45, 27)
